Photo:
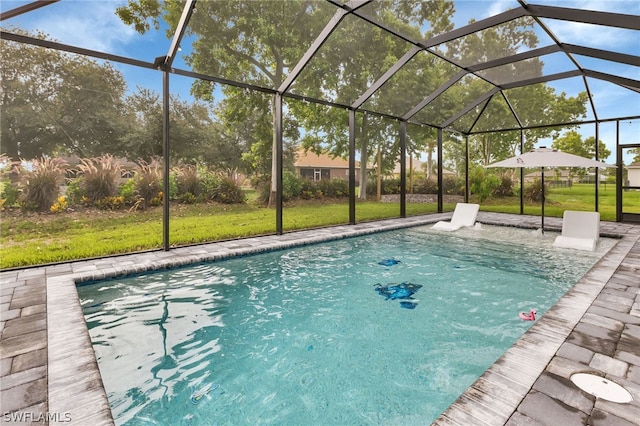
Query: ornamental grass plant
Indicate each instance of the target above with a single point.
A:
(99, 177)
(40, 186)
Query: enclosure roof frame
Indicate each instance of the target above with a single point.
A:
(354, 7)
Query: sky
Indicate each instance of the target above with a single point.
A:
(92, 24)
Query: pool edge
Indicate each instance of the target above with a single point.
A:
(74, 381)
(517, 370)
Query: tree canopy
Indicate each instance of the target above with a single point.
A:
(53, 102)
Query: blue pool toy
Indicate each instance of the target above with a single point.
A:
(397, 291)
(197, 396)
(402, 292)
(388, 262)
(408, 305)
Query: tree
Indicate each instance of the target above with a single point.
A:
(53, 102)
(252, 41)
(259, 41)
(571, 142)
(533, 104)
(195, 136)
(352, 60)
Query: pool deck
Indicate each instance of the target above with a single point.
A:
(49, 373)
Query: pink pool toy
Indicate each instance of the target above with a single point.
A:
(531, 316)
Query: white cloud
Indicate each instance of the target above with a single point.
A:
(597, 36)
(499, 6)
(88, 24)
(630, 7)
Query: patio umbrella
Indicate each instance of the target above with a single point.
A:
(546, 157)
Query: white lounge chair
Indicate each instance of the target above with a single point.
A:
(464, 215)
(580, 230)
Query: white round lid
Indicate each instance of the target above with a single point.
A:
(601, 387)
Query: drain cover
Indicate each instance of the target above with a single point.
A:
(601, 387)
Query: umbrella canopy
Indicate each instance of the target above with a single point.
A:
(546, 157)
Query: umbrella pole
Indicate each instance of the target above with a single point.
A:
(542, 189)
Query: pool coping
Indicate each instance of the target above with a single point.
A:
(75, 393)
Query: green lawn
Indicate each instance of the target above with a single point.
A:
(578, 197)
(37, 239)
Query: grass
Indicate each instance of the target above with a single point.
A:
(37, 239)
(579, 197)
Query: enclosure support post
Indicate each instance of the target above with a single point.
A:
(278, 130)
(466, 168)
(521, 173)
(165, 153)
(352, 167)
(597, 174)
(403, 169)
(440, 180)
(619, 177)
(543, 198)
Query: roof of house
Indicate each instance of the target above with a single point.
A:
(311, 159)
(419, 166)
(550, 173)
(635, 165)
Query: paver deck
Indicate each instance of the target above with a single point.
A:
(49, 374)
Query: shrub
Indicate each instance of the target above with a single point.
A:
(291, 186)
(533, 191)
(308, 189)
(110, 203)
(187, 179)
(334, 188)
(187, 198)
(59, 206)
(262, 184)
(389, 186)
(451, 185)
(148, 183)
(10, 194)
(209, 183)
(128, 192)
(482, 184)
(228, 192)
(75, 192)
(99, 177)
(173, 186)
(40, 187)
(505, 188)
(425, 186)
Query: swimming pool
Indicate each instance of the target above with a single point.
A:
(302, 336)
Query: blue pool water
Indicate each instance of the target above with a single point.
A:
(311, 335)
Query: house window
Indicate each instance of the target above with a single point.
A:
(315, 174)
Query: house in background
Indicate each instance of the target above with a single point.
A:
(321, 166)
(416, 164)
(633, 176)
(558, 177)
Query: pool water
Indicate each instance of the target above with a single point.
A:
(305, 336)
